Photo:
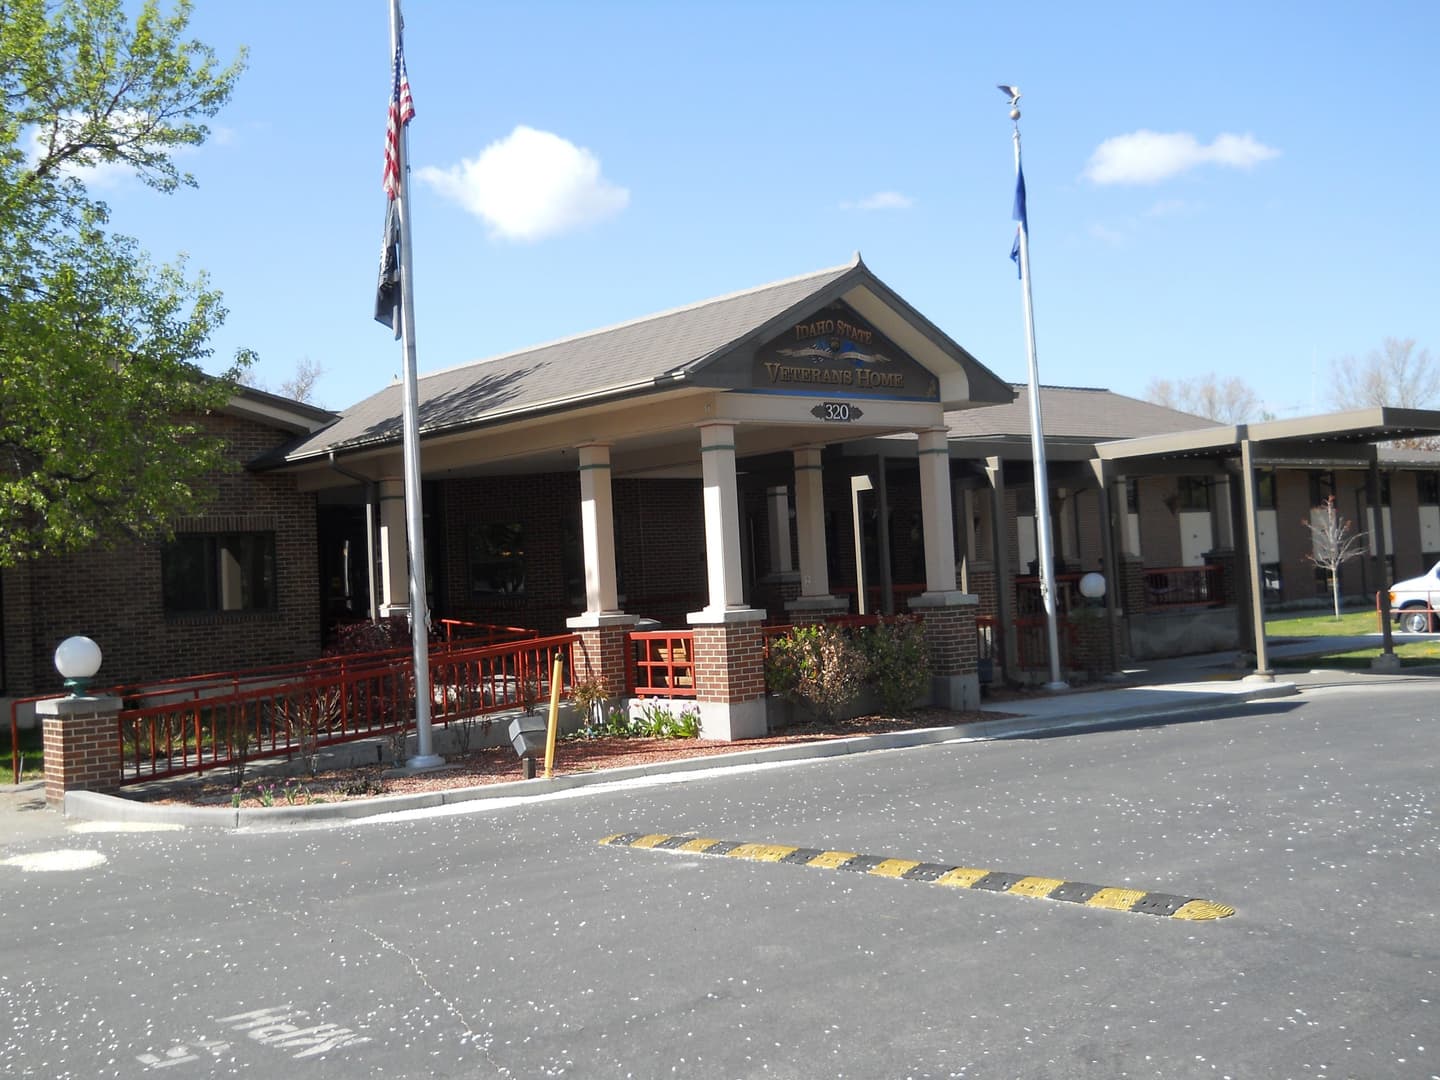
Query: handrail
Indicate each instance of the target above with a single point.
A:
(161, 738)
(1174, 586)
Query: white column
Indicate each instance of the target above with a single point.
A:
(810, 521)
(777, 501)
(597, 529)
(935, 507)
(722, 523)
(394, 564)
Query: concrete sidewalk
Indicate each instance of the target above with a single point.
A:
(1162, 690)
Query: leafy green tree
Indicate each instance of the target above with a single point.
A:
(102, 395)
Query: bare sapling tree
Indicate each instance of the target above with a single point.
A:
(1333, 542)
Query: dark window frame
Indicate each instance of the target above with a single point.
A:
(193, 572)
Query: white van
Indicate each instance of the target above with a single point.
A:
(1415, 601)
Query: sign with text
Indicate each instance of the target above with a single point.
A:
(835, 351)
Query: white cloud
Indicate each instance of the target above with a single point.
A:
(1147, 157)
(86, 165)
(881, 200)
(530, 184)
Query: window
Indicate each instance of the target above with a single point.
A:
(1428, 484)
(208, 572)
(1322, 486)
(497, 559)
(1194, 493)
(1264, 489)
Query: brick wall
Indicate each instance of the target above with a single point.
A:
(729, 662)
(115, 597)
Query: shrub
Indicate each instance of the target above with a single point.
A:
(816, 665)
(898, 666)
(590, 697)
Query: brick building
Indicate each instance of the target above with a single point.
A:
(743, 460)
(236, 585)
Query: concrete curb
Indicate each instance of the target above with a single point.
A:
(89, 805)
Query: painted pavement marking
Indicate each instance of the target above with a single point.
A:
(1111, 898)
(277, 1026)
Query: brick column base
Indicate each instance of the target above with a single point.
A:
(1132, 585)
(949, 620)
(601, 652)
(1094, 652)
(82, 745)
(730, 676)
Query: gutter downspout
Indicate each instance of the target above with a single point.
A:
(370, 498)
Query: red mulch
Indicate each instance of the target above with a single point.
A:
(498, 764)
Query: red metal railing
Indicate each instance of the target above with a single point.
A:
(1032, 641)
(1028, 599)
(170, 734)
(660, 663)
(1176, 586)
(466, 632)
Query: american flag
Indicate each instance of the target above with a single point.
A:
(402, 111)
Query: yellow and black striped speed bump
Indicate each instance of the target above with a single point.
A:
(955, 877)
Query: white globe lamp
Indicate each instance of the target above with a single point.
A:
(77, 659)
(1092, 586)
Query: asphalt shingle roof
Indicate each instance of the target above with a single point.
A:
(1071, 412)
(629, 356)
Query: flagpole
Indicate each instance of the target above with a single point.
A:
(1044, 541)
(425, 756)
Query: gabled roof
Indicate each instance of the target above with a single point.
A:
(1072, 412)
(657, 352)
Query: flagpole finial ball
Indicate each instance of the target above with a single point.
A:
(1014, 114)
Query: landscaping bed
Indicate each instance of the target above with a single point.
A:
(498, 764)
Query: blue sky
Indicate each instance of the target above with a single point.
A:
(1238, 189)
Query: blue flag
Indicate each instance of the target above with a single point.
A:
(1019, 215)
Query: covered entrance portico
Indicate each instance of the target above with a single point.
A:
(679, 402)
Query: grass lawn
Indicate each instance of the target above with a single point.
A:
(1326, 625)
(31, 760)
(1412, 652)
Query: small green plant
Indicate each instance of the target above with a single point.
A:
(294, 791)
(687, 724)
(240, 738)
(464, 730)
(614, 724)
(307, 719)
(658, 721)
(897, 664)
(818, 666)
(266, 794)
(590, 697)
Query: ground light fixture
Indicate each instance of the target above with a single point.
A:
(77, 659)
(527, 735)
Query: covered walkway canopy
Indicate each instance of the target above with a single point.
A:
(1347, 439)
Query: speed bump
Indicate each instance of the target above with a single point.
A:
(1139, 901)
